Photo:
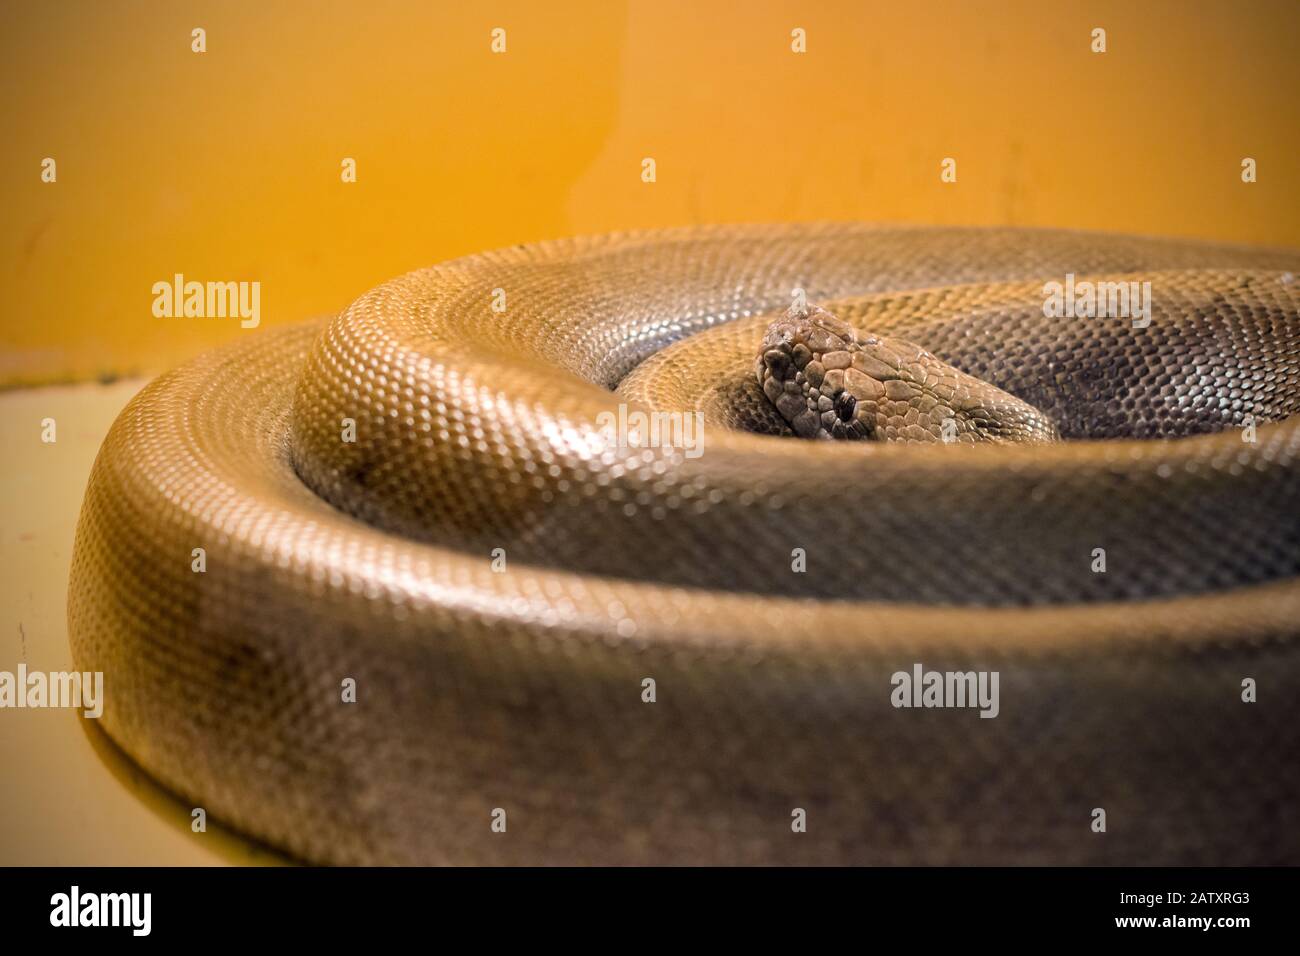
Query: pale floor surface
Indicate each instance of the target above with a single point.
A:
(68, 796)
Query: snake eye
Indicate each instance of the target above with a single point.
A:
(845, 403)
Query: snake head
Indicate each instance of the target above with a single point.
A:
(827, 380)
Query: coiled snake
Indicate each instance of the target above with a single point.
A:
(568, 644)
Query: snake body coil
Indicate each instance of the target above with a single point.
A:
(641, 654)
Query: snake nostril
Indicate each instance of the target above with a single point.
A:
(845, 403)
(778, 361)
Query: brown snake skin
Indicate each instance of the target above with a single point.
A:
(520, 688)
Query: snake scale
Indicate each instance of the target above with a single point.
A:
(571, 650)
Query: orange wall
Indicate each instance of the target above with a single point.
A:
(225, 165)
